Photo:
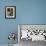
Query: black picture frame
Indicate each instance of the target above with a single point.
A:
(10, 12)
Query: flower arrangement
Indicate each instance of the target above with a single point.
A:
(11, 37)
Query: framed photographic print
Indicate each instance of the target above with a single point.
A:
(10, 12)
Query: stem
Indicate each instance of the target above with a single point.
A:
(8, 43)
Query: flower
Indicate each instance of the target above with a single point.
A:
(12, 36)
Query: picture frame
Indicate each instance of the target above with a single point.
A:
(10, 12)
(39, 28)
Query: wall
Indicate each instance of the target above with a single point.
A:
(31, 11)
(27, 12)
(6, 25)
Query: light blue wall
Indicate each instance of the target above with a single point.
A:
(6, 25)
(27, 12)
(31, 11)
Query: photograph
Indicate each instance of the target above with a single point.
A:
(32, 32)
(10, 12)
(29, 34)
